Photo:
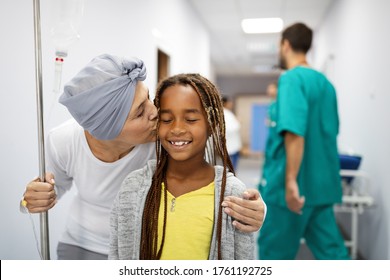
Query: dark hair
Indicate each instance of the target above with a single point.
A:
(300, 37)
(225, 99)
(211, 102)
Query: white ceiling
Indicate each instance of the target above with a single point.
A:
(229, 44)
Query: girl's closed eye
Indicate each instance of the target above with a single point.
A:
(165, 120)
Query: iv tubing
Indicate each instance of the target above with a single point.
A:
(44, 220)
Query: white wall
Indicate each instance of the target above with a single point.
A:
(353, 47)
(122, 27)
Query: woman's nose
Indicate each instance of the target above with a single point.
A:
(153, 115)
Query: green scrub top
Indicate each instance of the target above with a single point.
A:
(306, 105)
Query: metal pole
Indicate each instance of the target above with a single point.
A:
(44, 219)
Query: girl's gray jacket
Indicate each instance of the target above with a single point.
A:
(126, 218)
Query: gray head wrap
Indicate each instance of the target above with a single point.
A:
(100, 96)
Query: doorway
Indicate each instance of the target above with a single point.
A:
(162, 65)
(251, 110)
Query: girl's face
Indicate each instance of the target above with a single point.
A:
(183, 123)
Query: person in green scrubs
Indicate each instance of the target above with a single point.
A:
(301, 173)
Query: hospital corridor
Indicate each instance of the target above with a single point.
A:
(120, 122)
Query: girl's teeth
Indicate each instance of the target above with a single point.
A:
(181, 143)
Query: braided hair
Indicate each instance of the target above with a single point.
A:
(215, 149)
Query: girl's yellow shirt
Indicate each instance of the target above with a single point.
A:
(189, 228)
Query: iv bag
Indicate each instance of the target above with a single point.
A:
(65, 31)
(64, 35)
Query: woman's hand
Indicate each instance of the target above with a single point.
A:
(248, 212)
(40, 196)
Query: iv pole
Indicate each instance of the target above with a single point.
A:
(44, 219)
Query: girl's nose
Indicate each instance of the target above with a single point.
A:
(177, 128)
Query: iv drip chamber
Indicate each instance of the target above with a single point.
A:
(67, 14)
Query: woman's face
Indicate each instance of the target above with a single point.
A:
(183, 126)
(140, 125)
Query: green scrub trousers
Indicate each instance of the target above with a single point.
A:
(323, 238)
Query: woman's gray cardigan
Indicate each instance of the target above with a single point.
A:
(126, 218)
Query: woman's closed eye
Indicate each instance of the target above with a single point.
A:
(140, 114)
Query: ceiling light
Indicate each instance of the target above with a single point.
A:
(260, 47)
(262, 25)
(262, 68)
(265, 69)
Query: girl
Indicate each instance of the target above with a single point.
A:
(181, 192)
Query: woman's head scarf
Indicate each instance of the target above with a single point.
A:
(100, 96)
